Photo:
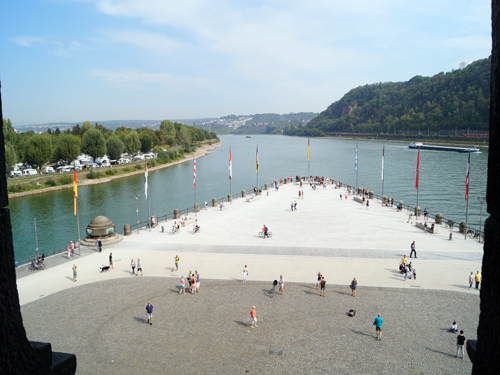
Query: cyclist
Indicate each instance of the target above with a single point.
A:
(265, 229)
(196, 225)
(175, 227)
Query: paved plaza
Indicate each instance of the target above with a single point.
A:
(101, 317)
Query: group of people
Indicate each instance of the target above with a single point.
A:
(293, 206)
(139, 267)
(70, 250)
(460, 339)
(193, 282)
(321, 285)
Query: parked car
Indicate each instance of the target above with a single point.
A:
(14, 174)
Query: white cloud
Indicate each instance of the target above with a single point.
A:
(27, 41)
(58, 48)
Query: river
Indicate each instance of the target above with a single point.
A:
(442, 184)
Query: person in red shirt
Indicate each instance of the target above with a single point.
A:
(253, 315)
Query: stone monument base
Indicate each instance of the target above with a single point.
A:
(109, 240)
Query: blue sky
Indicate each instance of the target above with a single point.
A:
(77, 60)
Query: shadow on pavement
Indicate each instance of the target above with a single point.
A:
(140, 320)
(361, 333)
(241, 323)
(440, 352)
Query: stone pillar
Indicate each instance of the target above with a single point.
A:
(177, 214)
(401, 204)
(439, 219)
(417, 211)
(370, 194)
(214, 202)
(462, 227)
(17, 354)
(229, 197)
(285, 181)
(384, 200)
(126, 230)
(266, 186)
(360, 191)
(243, 193)
(197, 207)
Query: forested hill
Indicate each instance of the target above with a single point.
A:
(460, 98)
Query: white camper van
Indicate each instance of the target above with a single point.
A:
(30, 172)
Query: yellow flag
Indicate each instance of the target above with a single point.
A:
(257, 161)
(75, 190)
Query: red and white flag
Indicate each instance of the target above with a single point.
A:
(383, 151)
(146, 177)
(467, 180)
(230, 164)
(194, 173)
(418, 159)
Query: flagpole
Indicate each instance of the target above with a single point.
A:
(356, 166)
(36, 241)
(78, 225)
(257, 166)
(194, 183)
(418, 185)
(230, 174)
(308, 160)
(467, 197)
(383, 179)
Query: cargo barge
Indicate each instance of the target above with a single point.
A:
(421, 146)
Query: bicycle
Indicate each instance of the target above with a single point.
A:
(196, 230)
(175, 231)
(471, 233)
(38, 266)
(269, 234)
(449, 224)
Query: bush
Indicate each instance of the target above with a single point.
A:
(163, 158)
(93, 174)
(187, 150)
(50, 182)
(173, 155)
(12, 189)
(66, 179)
(152, 163)
(138, 166)
(126, 169)
(110, 172)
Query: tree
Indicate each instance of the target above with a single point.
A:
(68, 148)
(94, 144)
(184, 137)
(132, 143)
(146, 142)
(115, 147)
(8, 131)
(38, 150)
(76, 130)
(86, 126)
(57, 132)
(10, 156)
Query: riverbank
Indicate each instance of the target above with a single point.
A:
(200, 152)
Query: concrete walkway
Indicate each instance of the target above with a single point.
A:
(340, 238)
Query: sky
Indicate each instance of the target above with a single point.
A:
(98, 60)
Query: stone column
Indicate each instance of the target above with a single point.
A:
(126, 230)
(348, 186)
(177, 214)
(417, 211)
(360, 191)
(266, 186)
(370, 194)
(384, 200)
(197, 207)
(214, 202)
(439, 219)
(463, 227)
(243, 193)
(229, 197)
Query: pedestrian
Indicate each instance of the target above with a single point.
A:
(197, 281)
(245, 273)
(68, 251)
(410, 218)
(460, 343)
(74, 272)
(302, 194)
(319, 279)
(407, 272)
(253, 315)
(139, 267)
(97, 245)
(149, 312)
(354, 284)
(282, 284)
(190, 274)
(206, 205)
(295, 205)
(340, 196)
(176, 260)
(426, 214)
(111, 260)
(322, 285)
(291, 206)
(378, 326)
(299, 194)
(471, 279)
(132, 264)
(413, 249)
(72, 249)
(478, 279)
(193, 284)
(367, 204)
(183, 286)
(99, 242)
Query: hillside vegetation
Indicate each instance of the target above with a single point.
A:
(457, 99)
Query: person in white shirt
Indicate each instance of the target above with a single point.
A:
(454, 327)
(282, 284)
(245, 274)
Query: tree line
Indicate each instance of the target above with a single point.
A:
(457, 99)
(97, 141)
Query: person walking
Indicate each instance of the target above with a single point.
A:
(111, 260)
(139, 267)
(74, 272)
(183, 286)
(132, 264)
(282, 285)
(319, 279)
(176, 260)
(478, 279)
(413, 249)
(378, 327)
(197, 281)
(460, 343)
(72, 249)
(302, 194)
(367, 204)
(295, 205)
(190, 274)
(253, 315)
(245, 273)
(471, 279)
(99, 244)
(323, 286)
(149, 313)
(410, 217)
(407, 272)
(354, 284)
(68, 252)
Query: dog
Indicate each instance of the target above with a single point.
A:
(104, 269)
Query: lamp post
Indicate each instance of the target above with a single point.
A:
(481, 200)
(137, 208)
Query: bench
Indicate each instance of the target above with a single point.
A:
(188, 221)
(357, 199)
(428, 229)
(251, 199)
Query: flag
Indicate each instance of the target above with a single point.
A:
(194, 172)
(257, 161)
(383, 151)
(418, 160)
(467, 180)
(75, 190)
(308, 146)
(146, 177)
(230, 164)
(356, 160)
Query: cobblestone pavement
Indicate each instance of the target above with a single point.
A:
(104, 324)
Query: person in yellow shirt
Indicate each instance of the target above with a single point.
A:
(478, 279)
(404, 260)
